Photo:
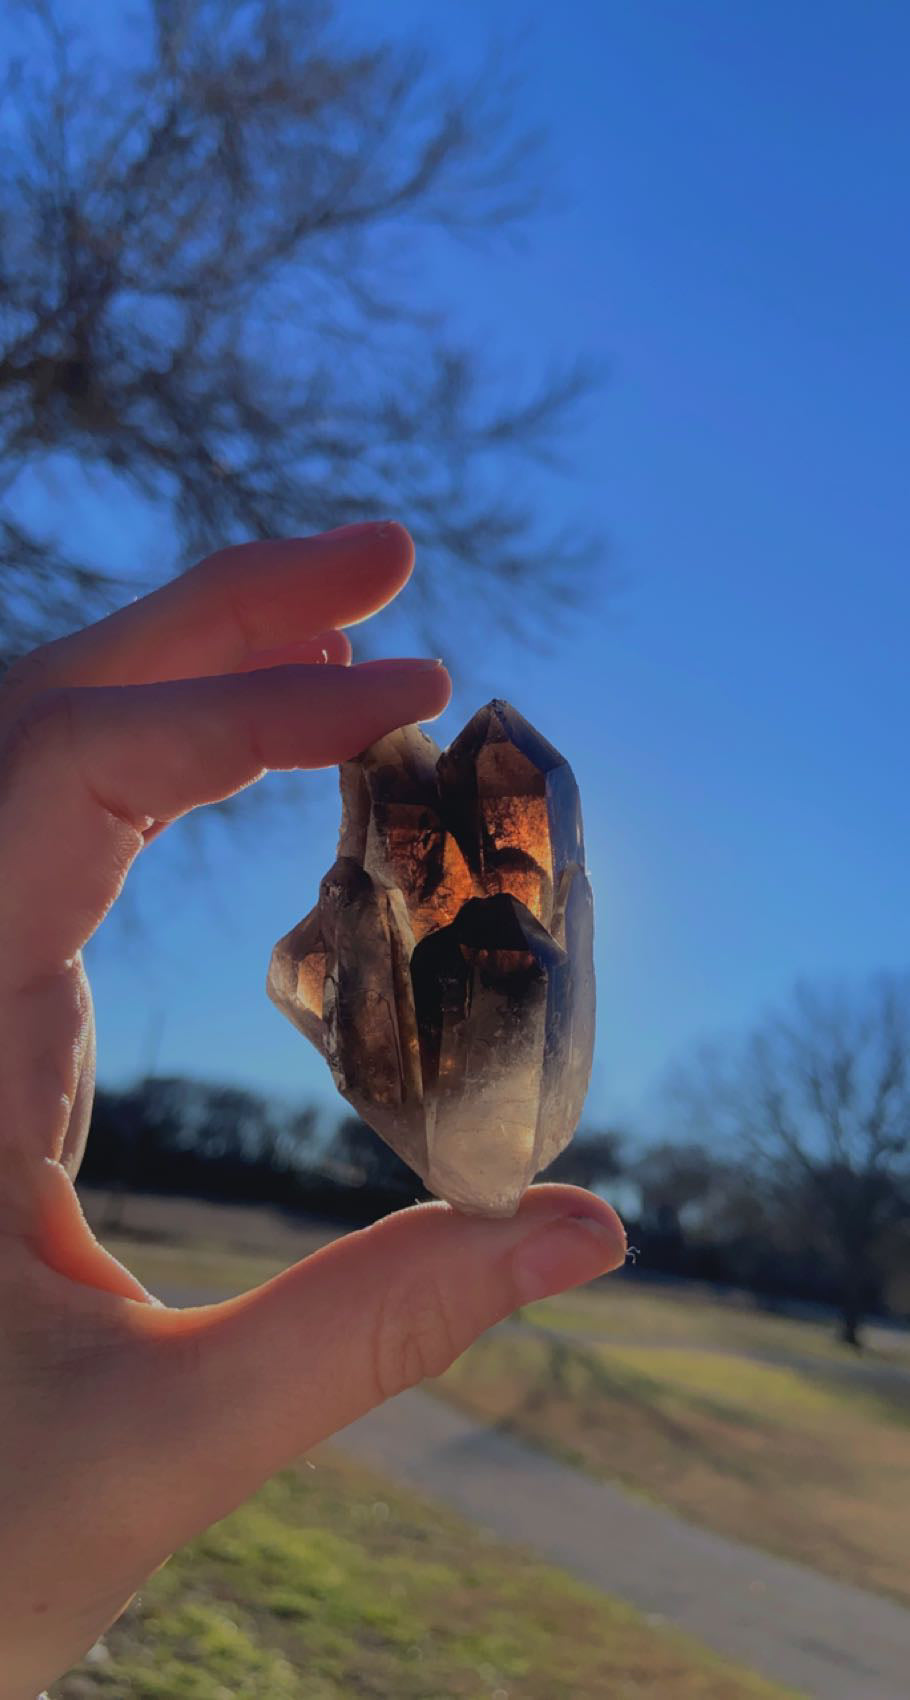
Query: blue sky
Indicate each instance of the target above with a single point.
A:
(733, 244)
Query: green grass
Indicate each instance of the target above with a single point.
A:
(810, 1465)
(332, 1585)
(620, 1311)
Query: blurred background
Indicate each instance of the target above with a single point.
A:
(608, 304)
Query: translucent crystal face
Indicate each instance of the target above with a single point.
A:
(447, 971)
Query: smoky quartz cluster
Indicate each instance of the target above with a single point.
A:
(446, 972)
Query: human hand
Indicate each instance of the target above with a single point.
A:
(125, 1427)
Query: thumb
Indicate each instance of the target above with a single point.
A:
(232, 1392)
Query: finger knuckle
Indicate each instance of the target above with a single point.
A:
(417, 1337)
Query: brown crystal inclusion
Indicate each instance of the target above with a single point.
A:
(447, 971)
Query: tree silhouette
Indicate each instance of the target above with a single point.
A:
(210, 221)
(818, 1100)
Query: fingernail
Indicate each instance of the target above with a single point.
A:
(402, 664)
(566, 1253)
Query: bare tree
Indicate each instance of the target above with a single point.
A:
(210, 234)
(817, 1100)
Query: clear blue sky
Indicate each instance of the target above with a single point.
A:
(734, 244)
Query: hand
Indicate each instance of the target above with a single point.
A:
(125, 1428)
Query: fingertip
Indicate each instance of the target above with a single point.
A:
(300, 585)
(419, 689)
(382, 561)
(438, 685)
(398, 546)
(551, 1198)
(583, 1240)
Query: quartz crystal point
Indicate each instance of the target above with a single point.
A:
(447, 971)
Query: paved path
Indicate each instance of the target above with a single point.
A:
(832, 1641)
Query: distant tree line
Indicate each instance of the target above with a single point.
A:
(176, 1136)
(788, 1173)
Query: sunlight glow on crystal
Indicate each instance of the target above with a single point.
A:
(447, 970)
